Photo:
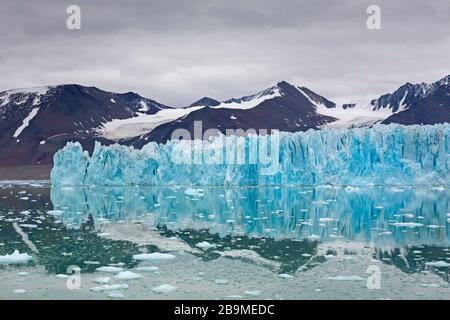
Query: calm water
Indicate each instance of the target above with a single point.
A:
(227, 242)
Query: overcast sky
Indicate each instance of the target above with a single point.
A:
(177, 51)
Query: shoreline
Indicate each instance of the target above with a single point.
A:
(30, 172)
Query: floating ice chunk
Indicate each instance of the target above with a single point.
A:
(433, 226)
(221, 281)
(27, 225)
(62, 276)
(109, 269)
(23, 274)
(351, 189)
(314, 237)
(55, 212)
(438, 264)
(110, 287)
(127, 275)
(148, 269)
(285, 276)
(15, 257)
(346, 278)
(153, 256)
(102, 280)
(253, 293)
(19, 291)
(164, 288)
(407, 224)
(194, 192)
(326, 219)
(204, 245)
(409, 215)
(115, 295)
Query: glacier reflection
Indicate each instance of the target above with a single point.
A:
(387, 217)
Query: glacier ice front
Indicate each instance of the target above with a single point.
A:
(381, 155)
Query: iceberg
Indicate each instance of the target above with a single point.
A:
(381, 155)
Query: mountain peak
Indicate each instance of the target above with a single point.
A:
(205, 101)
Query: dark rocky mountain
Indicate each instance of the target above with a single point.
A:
(281, 107)
(205, 101)
(36, 122)
(418, 104)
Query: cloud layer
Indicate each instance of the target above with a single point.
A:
(176, 51)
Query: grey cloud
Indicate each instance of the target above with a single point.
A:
(176, 51)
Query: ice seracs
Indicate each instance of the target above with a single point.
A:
(384, 154)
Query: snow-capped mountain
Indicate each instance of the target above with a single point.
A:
(36, 122)
(283, 107)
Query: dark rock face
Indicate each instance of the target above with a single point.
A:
(63, 113)
(419, 104)
(205, 101)
(289, 111)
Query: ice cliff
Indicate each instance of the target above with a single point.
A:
(381, 155)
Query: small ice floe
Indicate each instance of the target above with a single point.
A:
(350, 189)
(379, 207)
(346, 278)
(29, 226)
(438, 264)
(326, 219)
(23, 274)
(221, 281)
(314, 237)
(430, 285)
(102, 280)
(109, 269)
(407, 224)
(24, 198)
(153, 256)
(115, 295)
(396, 190)
(306, 255)
(62, 276)
(194, 192)
(433, 226)
(19, 291)
(127, 275)
(438, 188)
(25, 212)
(148, 269)
(164, 288)
(408, 215)
(15, 257)
(285, 276)
(204, 245)
(253, 293)
(417, 252)
(55, 212)
(91, 262)
(110, 287)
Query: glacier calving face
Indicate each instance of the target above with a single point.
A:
(381, 155)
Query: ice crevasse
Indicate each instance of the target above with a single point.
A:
(381, 155)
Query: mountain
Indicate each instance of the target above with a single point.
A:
(283, 107)
(409, 104)
(36, 122)
(418, 104)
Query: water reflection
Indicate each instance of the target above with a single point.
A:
(286, 230)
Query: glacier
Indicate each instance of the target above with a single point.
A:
(380, 155)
